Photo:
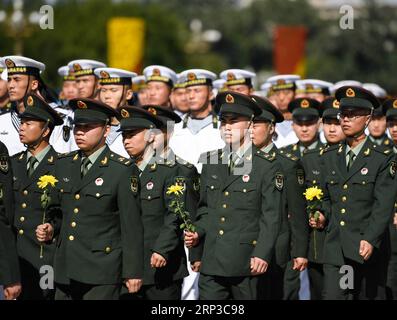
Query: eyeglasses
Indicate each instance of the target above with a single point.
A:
(350, 115)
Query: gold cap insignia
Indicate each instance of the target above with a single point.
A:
(309, 86)
(30, 101)
(280, 81)
(124, 113)
(104, 74)
(81, 105)
(156, 72)
(335, 104)
(153, 111)
(77, 67)
(229, 98)
(305, 103)
(9, 63)
(191, 76)
(350, 93)
(231, 76)
(395, 104)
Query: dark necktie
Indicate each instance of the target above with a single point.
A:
(32, 161)
(351, 159)
(84, 166)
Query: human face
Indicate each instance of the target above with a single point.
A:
(114, 95)
(234, 129)
(136, 141)
(69, 90)
(377, 126)
(353, 121)
(392, 126)
(143, 97)
(316, 96)
(333, 131)
(240, 88)
(18, 86)
(198, 97)
(282, 98)
(87, 136)
(86, 86)
(262, 133)
(158, 93)
(306, 131)
(3, 89)
(30, 131)
(179, 100)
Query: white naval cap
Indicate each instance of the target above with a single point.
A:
(313, 86)
(265, 88)
(283, 81)
(160, 73)
(22, 65)
(180, 82)
(220, 85)
(84, 67)
(237, 76)
(66, 73)
(376, 89)
(114, 76)
(3, 71)
(343, 83)
(138, 83)
(196, 77)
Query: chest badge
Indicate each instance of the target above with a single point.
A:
(364, 171)
(150, 185)
(246, 178)
(99, 181)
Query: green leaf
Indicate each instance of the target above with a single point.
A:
(182, 226)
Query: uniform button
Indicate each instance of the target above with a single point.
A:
(71, 238)
(98, 195)
(77, 196)
(76, 210)
(20, 232)
(254, 242)
(343, 210)
(73, 224)
(314, 181)
(107, 250)
(223, 219)
(23, 205)
(221, 232)
(149, 197)
(344, 199)
(25, 192)
(244, 190)
(395, 205)
(345, 186)
(212, 187)
(224, 206)
(226, 193)
(61, 190)
(22, 219)
(342, 223)
(363, 182)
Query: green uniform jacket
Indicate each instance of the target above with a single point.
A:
(162, 233)
(239, 215)
(293, 238)
(312, 164)
(28, 212)
(101, 237)
(295, 150)
(9, 266)
(357, 203)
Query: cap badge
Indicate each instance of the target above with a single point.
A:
(153, 111)
(229, 98)
(231, 76)
(156, 72)
(191, 76)
(77, 67)
(9, 63)
(305, 103)
(335, 104)
(81, 105)
(395, 104)
(350, 93)
(124, 113)
(30, 101)
(104, 74)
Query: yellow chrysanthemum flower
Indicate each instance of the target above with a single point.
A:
(175, 189)
(46, 180)
(312, 193)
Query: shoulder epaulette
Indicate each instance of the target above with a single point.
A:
(287, 155)
(67, 154)
(17, 155)
(267, 156)
(120, 159)
(183, 162)
(329, 148)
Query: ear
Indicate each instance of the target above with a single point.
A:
(211, 95)
(272, 128)
(34, 85)
(46, 132)
(107, 131)
(129, 94)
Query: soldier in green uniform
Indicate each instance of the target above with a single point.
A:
(390, 111)
(306, 113)
(100, 242)
(359, 194)
(293, 237)
(312, 163)
(239, 208)
(9, 267)
(37, 122)
(164, 256)
(377, 129)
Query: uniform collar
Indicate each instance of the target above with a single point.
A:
(40, 156)
(267, 148)
(93, 157)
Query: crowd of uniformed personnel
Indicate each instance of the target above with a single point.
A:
(248, 165)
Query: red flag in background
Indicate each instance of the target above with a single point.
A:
(289, 50)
